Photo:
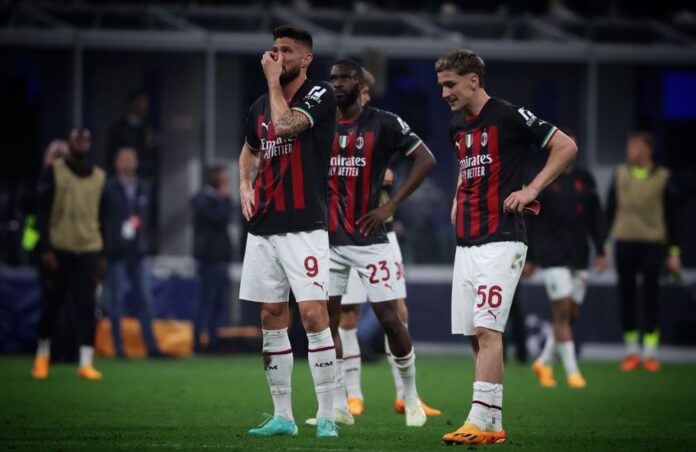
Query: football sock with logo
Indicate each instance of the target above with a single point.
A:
(481, 404)
(277, 362)
(566, 350)
(398, 384)
(322, 364)
(407, 371)
(352, 362)
(496, 412)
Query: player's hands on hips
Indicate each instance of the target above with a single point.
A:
(272, 64)
(517, 200)
(246, 195)
(601, 263)
(674, 264)
(373, 219)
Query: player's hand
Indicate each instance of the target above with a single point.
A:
(453, 212)
(517, 200)
(272, 64)
(674, 264)
(49, 261)
(388, 178)
(528, 269)
(246, 195)
(373, 219)
(601, 263)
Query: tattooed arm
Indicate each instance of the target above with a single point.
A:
(287, 123)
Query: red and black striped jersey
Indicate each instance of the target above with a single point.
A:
(362, 150)
(291, 185)
(491, 148)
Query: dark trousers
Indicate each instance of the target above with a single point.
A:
(633, 259)
(120, 272)
(212, 305)
(77, 274)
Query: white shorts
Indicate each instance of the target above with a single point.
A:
(356, 293)
(400, 283)
(274, 264)
(374, 265)
(565, 282)
(483, 285)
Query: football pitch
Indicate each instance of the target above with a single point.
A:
(209, 403)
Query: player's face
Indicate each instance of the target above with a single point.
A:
(345, 85)
(80, 142)
(295, 58)
(126, 161)
(637, 151)
(457, 89)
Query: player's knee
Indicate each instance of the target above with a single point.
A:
(272, 317)
(487, 337)
(390, 323)
(315, 319)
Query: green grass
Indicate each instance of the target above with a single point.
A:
(210, 403)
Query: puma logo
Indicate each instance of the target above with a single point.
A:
(493, 315)
(388, 285)
(321, 286)
(265, 125)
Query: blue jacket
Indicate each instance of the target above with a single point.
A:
(116, 210)
(211, 217)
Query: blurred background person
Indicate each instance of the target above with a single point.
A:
(70, 195)
(133, 130)
(125, 220)
(642, 213)
(570, 214)
(212, 249)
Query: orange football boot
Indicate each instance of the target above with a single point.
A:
(576, 381)
(356, 406)
(652, 365)
(40, 369)
(470, 433)
(88, 372)
(630, 363)
(399, 407)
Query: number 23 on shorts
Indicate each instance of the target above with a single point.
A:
(493, 296)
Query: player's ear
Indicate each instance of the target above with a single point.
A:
(473, 81)
(307, 59)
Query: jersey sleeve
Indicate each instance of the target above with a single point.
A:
(403, 139)
(251, 136)
(318, 105)
(532, 129)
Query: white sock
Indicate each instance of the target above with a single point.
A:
(277, 363)
(322, 358)
(566, 350)
(481, 404)
(549, 352)
(339, 400)
(496, 412)
(86, 355)
(352, 362)
(398, 384)
(44, 347)
(407, 371)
